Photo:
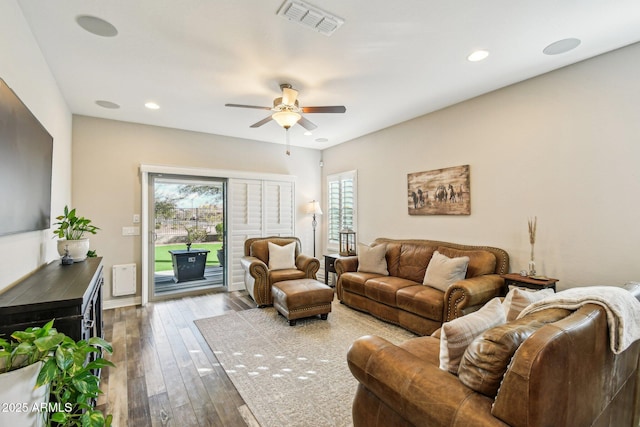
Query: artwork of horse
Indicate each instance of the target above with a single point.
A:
(447, 186)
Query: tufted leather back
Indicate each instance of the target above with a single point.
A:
(408, 259)
(259, 246)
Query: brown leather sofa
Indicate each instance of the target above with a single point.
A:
(402, 299)
(257, 276)
(562, 374)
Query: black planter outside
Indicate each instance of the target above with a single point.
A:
(221, 257)
(189, 264)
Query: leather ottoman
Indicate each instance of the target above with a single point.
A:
(299, 298)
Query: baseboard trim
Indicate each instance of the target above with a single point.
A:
(121, 302)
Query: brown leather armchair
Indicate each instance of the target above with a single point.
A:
(258, 279)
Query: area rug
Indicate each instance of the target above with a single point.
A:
(293, 375)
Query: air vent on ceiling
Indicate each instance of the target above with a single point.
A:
(310, 16)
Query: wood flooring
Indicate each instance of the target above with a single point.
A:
(165, 373)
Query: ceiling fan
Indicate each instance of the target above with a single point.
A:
(286, 110)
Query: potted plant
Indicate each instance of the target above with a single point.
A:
(220, 233)
(21, 358)
(71, 230)
(195, 234)
(49, 378)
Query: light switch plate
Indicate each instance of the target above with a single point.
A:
(130, 231)
(136, 218)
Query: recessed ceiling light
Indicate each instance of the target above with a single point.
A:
(322, 140)
(308, 133)
(561, 46)
(107, 104)
(97, 26)
(478, 55)
(152, 106)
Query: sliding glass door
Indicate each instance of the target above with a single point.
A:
(187, 248)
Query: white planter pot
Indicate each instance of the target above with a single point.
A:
(20, 399)
(77, 248)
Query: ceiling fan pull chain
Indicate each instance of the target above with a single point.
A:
(288, 143)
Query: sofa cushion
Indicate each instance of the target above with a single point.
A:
(371, 259)
(457, 334)
(424, 301)
(276, 276)
(443, 271)
(408, 260)
(384, 288)
(486, 359)
(480, 262)
(519, 298)
(354, 281)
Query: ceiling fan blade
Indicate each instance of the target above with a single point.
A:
(308, 125)
(261, 122)
(289, 96)
(247, 106)
(332, 109)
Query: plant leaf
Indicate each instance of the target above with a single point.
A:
(47, 373)
(99, 342)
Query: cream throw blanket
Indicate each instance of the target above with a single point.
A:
(623, 310)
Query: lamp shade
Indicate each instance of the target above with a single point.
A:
(313, 207)
(286, 119)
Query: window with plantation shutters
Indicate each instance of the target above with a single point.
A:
(341, 205)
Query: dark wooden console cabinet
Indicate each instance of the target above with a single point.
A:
(72, 294)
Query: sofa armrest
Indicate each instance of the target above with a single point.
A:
(344, 265)
(470, 292)
(308, 264)
(418, 390)
(255, 267)
(256, 279)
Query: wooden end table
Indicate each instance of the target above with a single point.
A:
(540, 282)
(329, 265)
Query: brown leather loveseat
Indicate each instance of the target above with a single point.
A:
(556, 368)
(402, 299)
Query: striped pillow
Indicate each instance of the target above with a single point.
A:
(456, 335)
(518, 299)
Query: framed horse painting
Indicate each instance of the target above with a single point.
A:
(439, 192)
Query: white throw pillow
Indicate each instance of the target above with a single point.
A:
(371, 259)
(443, 271)
(519, 298)
(456, 335)
(282, 257)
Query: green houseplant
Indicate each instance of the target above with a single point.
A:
(65, 375)
(71, 231)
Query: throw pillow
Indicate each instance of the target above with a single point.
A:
(487, 358)
(282, 257)
(443, 271)
(371, 259)
(520, 298)
(456, 335)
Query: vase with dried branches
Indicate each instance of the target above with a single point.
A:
(532, 239)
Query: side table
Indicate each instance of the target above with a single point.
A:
(540, 282)
(329, 265)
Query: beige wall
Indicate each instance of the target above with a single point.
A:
(24, 69)
(564, 147)
(107, 156)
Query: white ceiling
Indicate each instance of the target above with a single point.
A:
(389, 62)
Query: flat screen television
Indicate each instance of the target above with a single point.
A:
(26, 152)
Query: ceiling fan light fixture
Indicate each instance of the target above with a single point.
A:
(286, 119)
